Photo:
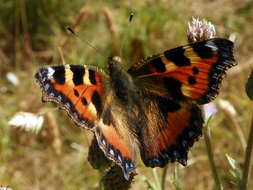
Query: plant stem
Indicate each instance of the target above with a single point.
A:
(211, 158)
(157, 183)
(248, 159)
(17, 32)
(238, 129)
(165, 170)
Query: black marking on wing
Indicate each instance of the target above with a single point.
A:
(177, 57)
(96, 100)
(158, 65)
(92, 77)
(174, 88)
(202, 51)
(59, 74)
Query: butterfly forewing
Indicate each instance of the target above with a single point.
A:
(74, 88)
(192, 72)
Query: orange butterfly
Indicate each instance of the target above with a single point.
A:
(152, 108)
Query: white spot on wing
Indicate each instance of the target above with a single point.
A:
(111, 152)
(127, 166)
(50, 72)
(59, 98)
(68, 105)
(211, 45)
(119, 158)
(131, 165)
(47, 86)
(103, 142)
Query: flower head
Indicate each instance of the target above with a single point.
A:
(209, 110)
(199, 30)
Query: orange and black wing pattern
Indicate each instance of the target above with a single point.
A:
(115, 141)
(172, 128)
(173, 83)
(192, 72)
(76, 89)
(81, 91)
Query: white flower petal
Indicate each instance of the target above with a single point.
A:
(12, 78)
(27, 121)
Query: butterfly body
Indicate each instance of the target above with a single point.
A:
(151, 109)
(122, 83)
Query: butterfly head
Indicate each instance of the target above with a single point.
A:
(115, 66)
(114, 61)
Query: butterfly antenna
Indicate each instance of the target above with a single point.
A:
(85, 40)
(124, 34)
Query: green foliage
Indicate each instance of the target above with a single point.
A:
(235, 171)
(176, 180)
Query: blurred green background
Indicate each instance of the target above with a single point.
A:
(33, 33)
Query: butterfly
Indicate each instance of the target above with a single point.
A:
(150, 109)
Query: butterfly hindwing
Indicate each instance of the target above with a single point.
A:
(115, 147)
(74, 88)
(177, 125)
(192, 72)
(114, 134)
